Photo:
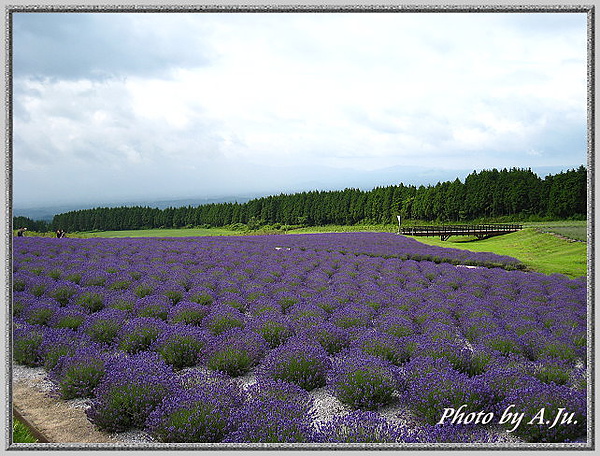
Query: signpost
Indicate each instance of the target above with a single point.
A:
(399, 223)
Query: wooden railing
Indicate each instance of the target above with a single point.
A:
(445, 231)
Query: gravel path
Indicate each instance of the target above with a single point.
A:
(32, 397)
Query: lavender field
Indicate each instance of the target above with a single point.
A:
(322, 338)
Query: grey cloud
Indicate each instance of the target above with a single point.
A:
(102, 45)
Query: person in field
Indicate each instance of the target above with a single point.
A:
(21, 232)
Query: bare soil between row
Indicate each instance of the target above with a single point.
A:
(54, 418)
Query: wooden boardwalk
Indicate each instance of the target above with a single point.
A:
(445, 231)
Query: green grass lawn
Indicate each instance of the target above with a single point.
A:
(540, 252)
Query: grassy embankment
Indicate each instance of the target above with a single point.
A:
(540, 252)
(21, 433)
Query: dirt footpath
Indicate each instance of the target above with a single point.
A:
(54, 418)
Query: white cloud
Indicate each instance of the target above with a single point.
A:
(361, 91)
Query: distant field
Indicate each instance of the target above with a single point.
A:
(570, 229)
(538, 251)
(172, 232)
(346, 229)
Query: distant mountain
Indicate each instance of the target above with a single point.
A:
(48, 212)
(321, 178)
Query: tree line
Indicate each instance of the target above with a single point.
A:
(516, 193)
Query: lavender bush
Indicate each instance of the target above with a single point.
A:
(235, 352)
(180, 345)
(58, 342)
(27, 339)
(432, 392)
(139, 333)
(298, 361)
(364, 427)
(363, 381)
(154, 306)
(188, 312)
(131, 388)
(275, 328)
(104, 325)
(197, 414)
(222, 318)
(331, 337)
(552, 413)
(382, 345)
(39, 313)
(71, 317)
(78, 374)
(271, 421)
(90, 301)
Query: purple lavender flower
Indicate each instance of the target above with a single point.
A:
(266, 389)
(234, 300)
(556, 370)
(172, 291)
(40, 312)
(356, 315)
(396, 325)
(59, 342)
(123, 300)
(200, 295)
(455, 351)
(503, 342)
(91, 301)
(144, 289)
(63, 292)
(94, 278)
(155, 306)
(263, 305)
(306, 315)
(38, 286)
(104, 326)
(117, 280)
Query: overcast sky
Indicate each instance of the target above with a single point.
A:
(113, 107)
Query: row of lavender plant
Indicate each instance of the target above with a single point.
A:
(136, 324)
